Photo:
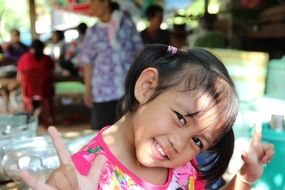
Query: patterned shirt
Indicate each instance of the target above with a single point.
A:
(116, 176)
(110, 48)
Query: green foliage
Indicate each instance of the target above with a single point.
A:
(62, 3)
(13, 14)
(196, 8)
(191, 15)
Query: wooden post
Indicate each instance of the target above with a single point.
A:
(33, 17)
(206, 7)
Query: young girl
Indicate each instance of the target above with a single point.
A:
(177, 104)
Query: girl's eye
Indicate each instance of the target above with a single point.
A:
(181, 119)
(198, 142)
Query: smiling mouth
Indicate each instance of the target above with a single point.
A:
(159, 149)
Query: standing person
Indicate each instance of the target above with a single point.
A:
(177, 104)
(57, 49)
(15, 48)
(69, 61)
(153, 34)
(107, 52)
(35, 74)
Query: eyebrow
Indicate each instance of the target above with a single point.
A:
(188, 114)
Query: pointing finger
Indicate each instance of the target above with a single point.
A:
(61, 148)
(257, 136)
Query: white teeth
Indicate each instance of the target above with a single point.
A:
(159, 149)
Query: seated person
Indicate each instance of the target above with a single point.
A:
(57, 43)
(69, 61)
(14, 49)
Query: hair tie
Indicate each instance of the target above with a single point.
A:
(172, 50)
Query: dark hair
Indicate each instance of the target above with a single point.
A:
(114, 6)
(16, 31)
(201, 71)
(218, 158)
(152, 10)
(60, 34)
(82, 27)
(38, 46)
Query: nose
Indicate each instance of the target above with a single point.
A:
(179, 142)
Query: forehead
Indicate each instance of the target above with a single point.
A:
(99, 1)
(14, 34)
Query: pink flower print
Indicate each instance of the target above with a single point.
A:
(183, 179)
(107, 173)
(124, 185)
(183, 173)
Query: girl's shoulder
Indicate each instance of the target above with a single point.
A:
(84, 158)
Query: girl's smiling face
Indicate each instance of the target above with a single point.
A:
(170, 130)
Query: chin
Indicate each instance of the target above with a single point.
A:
(150, 163)
(146, 161)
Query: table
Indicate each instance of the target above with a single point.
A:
(7, 85)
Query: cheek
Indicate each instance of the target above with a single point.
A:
(185, 157)
(152, 120)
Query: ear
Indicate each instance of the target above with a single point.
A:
(145, 84)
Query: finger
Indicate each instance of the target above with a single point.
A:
(33, 183)
(71, 175)
(67, 172)
(257, 136)
(61, 182)
(61, 148)
(244, 157)
(248, 158)
(268, 153)
(96, 169)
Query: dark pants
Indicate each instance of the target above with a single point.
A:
(103, 114)
(69, 66)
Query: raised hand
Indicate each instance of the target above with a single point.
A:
(66, 177)
(258, 155)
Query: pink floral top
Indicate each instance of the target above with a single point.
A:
(116, 176)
